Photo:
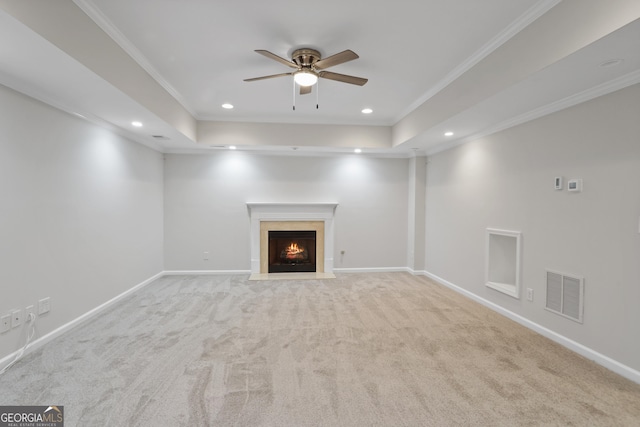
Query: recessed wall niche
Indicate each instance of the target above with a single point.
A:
(503, 261)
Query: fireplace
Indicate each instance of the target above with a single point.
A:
(292, 251)
(267, 217)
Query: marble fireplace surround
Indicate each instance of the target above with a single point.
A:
(291, 216)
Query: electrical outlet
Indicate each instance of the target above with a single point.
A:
(529, 294)
(44, 305)
(28, 312)
(16, 318)
(5, 323)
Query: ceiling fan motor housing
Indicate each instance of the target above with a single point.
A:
(309, 63)
(305, 58)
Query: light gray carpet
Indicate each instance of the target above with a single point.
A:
(359, 350)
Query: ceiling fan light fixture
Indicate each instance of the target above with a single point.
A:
(305, 78)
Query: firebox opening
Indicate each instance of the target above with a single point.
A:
(292, 251)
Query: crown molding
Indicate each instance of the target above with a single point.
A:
(561, 104)
(112, 31)
(54, 102)
(553, 107)
(535, 12)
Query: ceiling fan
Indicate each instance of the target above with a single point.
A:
(309, 66)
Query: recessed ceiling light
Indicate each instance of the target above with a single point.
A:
(227, 106)
(448, 133)
(136, 124)
(357, 150)
(367, 111)
(611, 63)
(232, 147)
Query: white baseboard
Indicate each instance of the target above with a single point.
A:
(582, 350)
(75, 322)
(372, 270)
(335, 270)
(203, 272)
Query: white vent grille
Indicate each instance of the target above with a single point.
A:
(565, 295)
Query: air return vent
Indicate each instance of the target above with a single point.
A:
(565, 295)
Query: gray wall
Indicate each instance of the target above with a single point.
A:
(206, 196)
(506, 181)
(80, 214)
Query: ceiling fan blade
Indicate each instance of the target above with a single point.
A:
(338, 58)
(343, 78)
(305, 90)
(277, 58)
(268, 77)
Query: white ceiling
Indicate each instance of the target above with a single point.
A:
(204, 50)
(422, 59)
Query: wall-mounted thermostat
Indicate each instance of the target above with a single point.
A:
(574, 185)
(557, 183)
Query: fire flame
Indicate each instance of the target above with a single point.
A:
(294, 249)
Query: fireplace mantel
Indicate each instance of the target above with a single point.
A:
(323, 209)
(291, 212)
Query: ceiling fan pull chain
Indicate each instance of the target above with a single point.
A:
(317, 94)
(294, 94)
